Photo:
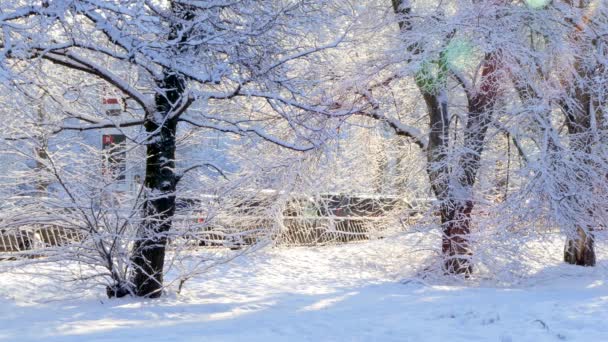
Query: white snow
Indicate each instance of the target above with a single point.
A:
(353, 292)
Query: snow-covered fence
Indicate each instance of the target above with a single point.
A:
(237, 232)
(294, 231)
(323, 230)
(298, 220)
(234, 233)
(31, 241)
(17, 240)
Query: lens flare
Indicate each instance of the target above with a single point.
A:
(537, 4)
(459, 53)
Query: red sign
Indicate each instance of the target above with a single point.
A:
(115, 156)
(110, 100)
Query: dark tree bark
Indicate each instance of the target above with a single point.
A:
(580, 115)
(579, 248)
(159, 206)
(577, 108)
(457, 203)
(454, 189)
(148, 253)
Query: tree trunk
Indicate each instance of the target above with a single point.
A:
(161, 181)
(580, 250)
(455, 216)
(148, 253)
(455, 246)
(457, 204)
(453, 188)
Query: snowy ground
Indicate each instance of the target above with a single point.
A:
(340, 293)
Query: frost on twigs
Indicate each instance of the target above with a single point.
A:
(235, 75)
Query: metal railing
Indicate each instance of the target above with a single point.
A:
(324, 230)
(30, 239)
(290, 231)
(234, 232)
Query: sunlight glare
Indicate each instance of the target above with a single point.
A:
(459, 53)
(537, 4)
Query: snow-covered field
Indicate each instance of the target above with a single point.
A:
(352, 292)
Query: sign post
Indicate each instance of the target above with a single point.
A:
(114, 147)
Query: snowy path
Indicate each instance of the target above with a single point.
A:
(323, 294)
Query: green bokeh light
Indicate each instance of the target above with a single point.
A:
(459, 53)
(536, 4)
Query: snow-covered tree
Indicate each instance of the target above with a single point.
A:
(176, 63)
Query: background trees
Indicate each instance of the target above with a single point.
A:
(498, 82)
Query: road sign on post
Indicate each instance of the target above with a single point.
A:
(114, 147)
(112, 106)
